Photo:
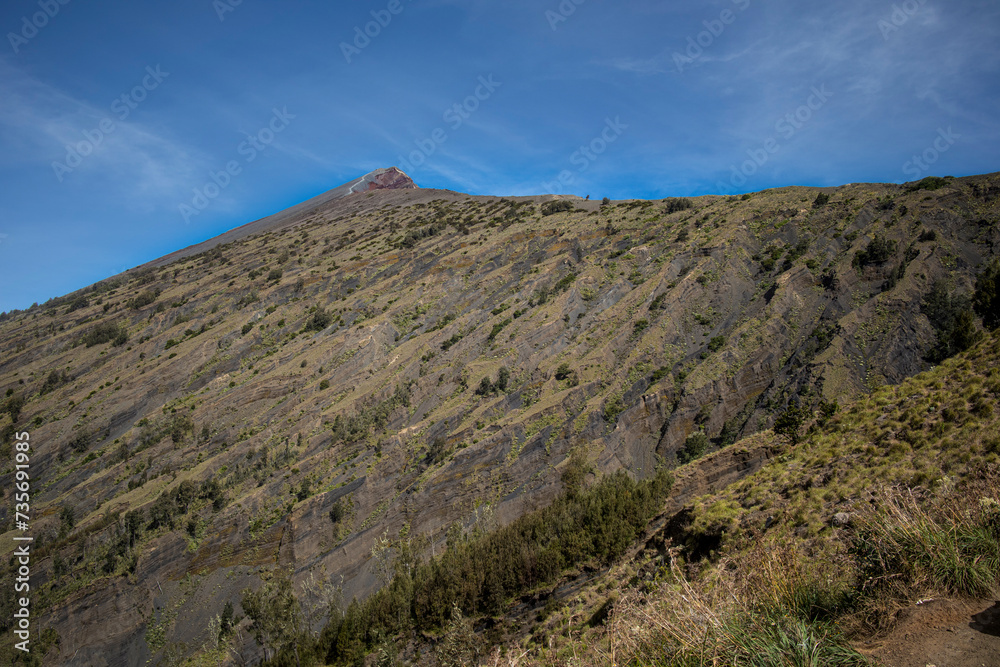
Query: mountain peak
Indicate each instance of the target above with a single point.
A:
(383, 179)
(390, 178)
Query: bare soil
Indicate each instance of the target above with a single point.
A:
(941, 633)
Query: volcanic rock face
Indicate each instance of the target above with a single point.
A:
(387, 179)
(286, 397)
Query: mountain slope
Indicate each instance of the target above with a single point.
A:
(878, 526)
(420, 359)
(380, 179)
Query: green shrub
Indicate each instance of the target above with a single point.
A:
(81, 441)
(694, 447)
(437, 452)
(951, 316)
(986, 298)
(929, 183)
(371, 418)
(790, 421)
(612, 408)
(115, 333)
(549, 208)
(274, 613)
(487, 387)
(497, 328)
(79, 302)
(878, 251)
(446, 345)
(143, 299)
(338, 511)
(54, 380)
(180, 427)
(564, 283)
(503, 377)
(659, 374)
(676, 204)
(319, 320)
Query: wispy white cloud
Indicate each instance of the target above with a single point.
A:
(138, 160)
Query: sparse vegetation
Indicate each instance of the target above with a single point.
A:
(478, 574)
(500, 355)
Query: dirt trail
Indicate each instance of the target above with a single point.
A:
(941, 633)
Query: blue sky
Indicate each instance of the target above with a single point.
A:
(118, 120)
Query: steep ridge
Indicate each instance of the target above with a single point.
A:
(918, 456)
(413, 360)
(380, 179)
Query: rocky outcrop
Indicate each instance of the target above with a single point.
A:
(389, 179)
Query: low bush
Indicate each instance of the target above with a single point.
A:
(676, 204)
(143, 299)
(694, 447)
(552, 207)
(929, 183)
(877, 252)
(107, 332)
(951, 316)
(986, 298)
(319, 320)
